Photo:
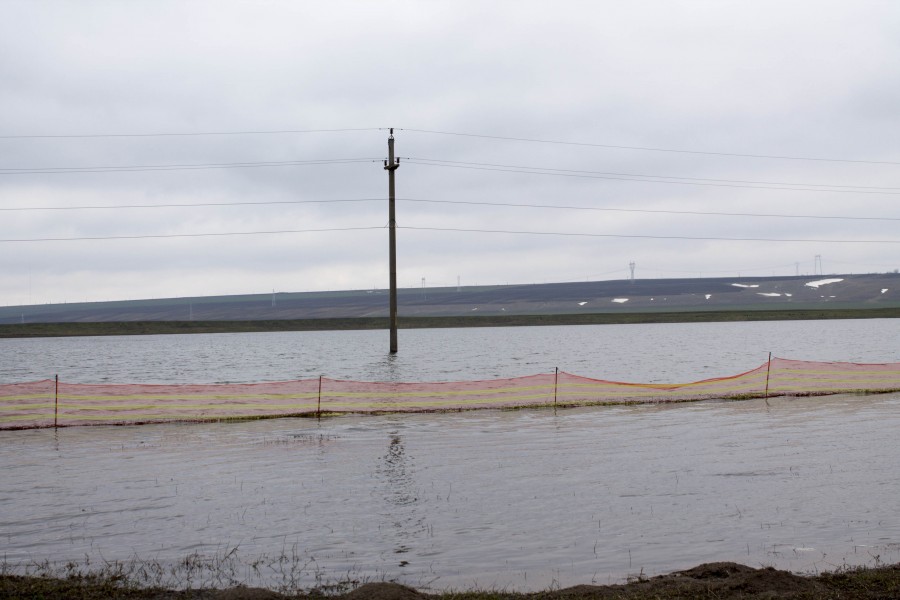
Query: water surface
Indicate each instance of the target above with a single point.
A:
(520, 499)
(667, 352)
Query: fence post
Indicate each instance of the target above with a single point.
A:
(768, 370)
(319, 404)
(555, 386)
(56, 404)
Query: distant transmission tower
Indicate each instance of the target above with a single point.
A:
(817, 267)
(631, 267)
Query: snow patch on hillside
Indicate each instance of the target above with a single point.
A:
(821, 282)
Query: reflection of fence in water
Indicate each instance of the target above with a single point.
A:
(49, 403)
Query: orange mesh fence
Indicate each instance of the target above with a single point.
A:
(50, 403)
(795, 377)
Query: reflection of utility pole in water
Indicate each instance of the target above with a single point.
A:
(395, 468)
(390, 165)
(401, 494)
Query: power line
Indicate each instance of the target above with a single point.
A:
(841, 262)
(476, 166)
(651, 149)
(182, 167)
(653, 211)
(649, 269)
(187, 134)
(438, 161)
(449, 229)
(643, 178)
(460, 202)
(650, 237)
(186, 235)
(190, 204)
(437, 132)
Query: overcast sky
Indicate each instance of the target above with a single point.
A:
(537, 143)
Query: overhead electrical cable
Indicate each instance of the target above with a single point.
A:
(449, 229)
(460, 202)
(828, 186)
(185, 134)
(189, 204)
(651, 269)
(883, 190)
(638, 178)
(447, 133)
(650, 149)
(652, 211)
(182, 167)
(650, 237)
(185, 235)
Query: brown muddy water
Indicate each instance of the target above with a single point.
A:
(518, 499)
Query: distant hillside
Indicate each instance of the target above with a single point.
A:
(594, 297)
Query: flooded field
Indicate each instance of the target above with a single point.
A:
(524, 499)
(520, 499)
(660, 352)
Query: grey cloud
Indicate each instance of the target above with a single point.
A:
(805, 79)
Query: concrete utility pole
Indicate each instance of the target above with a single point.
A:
(390, 165)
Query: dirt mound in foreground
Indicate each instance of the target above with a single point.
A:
(710, 580)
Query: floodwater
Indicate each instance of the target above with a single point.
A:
(656, 353)
(518, 499)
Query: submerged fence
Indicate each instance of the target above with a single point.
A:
(51, 403)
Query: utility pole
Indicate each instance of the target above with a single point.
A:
(390, 165)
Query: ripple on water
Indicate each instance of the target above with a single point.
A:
(508, 498)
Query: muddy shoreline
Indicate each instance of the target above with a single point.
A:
(722, 581)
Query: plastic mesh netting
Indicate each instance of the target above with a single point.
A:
(50, 403)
